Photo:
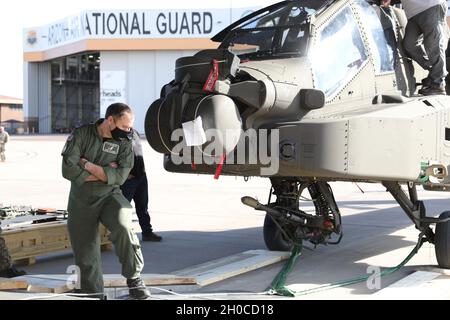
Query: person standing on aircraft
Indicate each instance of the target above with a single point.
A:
(425, 41)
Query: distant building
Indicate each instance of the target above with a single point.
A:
(76, 67)
(11, 114)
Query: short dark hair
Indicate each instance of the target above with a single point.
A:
(117, 110)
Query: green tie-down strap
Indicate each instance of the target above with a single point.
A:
(278, 286)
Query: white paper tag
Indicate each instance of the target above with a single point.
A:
(194, 133)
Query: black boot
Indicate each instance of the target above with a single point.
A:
(151, 236)
(426, 82)
(432, 90)
(138, 290)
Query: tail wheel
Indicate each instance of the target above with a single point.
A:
(274, 238)
(442, 241)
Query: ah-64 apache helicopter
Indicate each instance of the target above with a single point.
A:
(330, 80)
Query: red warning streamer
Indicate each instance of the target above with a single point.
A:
(219, 167)
(210, 83)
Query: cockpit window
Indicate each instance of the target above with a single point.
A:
(288, 15)
(281, 32)
(383, 54)
(338, 53)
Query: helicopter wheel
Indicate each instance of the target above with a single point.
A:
(442, 241)
(274, 238)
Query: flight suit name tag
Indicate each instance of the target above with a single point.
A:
(110, 147)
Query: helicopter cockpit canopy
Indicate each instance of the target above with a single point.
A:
(278, 31)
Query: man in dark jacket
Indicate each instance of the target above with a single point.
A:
(136, 188)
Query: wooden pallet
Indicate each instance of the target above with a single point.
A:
(224, 268)
(61, 283)
(12, 284)
(28, 242)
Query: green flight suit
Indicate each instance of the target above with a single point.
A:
(94, 202)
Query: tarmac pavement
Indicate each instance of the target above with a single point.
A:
(201, 219)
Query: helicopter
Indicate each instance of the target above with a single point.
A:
(305, 93)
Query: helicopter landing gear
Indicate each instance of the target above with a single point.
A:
(442, 241)
(285, 224)
(415, 210)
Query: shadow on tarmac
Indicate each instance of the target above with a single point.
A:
(366, 234)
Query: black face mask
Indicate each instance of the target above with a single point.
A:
(119, 134)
